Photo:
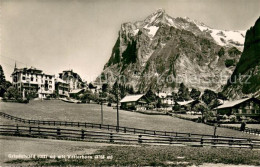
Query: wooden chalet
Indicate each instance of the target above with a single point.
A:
(243, 107)
(134, 102)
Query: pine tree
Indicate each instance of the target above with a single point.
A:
(2, 76)
(183, 93)
(195, 94)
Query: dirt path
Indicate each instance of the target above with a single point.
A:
(17, 146)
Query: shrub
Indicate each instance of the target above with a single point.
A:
(230, 62)
(221, 52)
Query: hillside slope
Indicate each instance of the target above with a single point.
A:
(245, 79)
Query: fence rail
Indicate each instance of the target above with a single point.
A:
(87, 135)
(247, 130)
(113, 128)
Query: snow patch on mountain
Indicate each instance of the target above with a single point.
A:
(222, 37)
(136, 32)
(228, 37)
(152, 30)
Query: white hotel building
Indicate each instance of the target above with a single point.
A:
(28, 80)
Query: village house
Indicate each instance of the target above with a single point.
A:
(186, 106)
(76, 92)
(249, 107)
(134, 102)
(32, 80)
(166, 98)
(73, 79)
(61, 88)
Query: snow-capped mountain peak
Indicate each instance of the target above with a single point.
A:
(152, 23)
(177, 47)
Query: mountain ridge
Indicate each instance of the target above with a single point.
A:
(187, 48)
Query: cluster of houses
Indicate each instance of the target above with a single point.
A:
(67, 84)
(248, 107)
(70, 84)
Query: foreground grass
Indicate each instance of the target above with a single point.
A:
(162, 156)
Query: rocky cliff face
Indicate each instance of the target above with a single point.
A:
(245, 79)
(162, 51)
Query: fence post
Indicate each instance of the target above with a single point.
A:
(164, 133)
(29, 121)
(111, 137)
(85, 125)
(82, 134)
(230, 142)
(251, 146)
(170, 140)
(58, 132)
(30, 130)
(201, 141)
(65, 123)
(39, 130)
(54, 123)
(140, 139)
(107, 127)
(17, 129)
(99, 126)
(125, 129)
(78, 124)
(134, 130)
(154, 133)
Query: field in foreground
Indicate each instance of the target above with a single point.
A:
(121, 155)
(61, 111)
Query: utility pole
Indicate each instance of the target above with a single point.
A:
(117, 110)
(216, 125)
(101, 108)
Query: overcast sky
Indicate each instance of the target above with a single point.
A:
(56, 35)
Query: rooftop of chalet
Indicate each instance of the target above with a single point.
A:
(131, 98)
(230, 104)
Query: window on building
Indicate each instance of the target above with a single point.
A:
(23, 78)
(31, 78)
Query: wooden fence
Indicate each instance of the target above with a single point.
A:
(116, 128)
(247, 130)
(100, 136)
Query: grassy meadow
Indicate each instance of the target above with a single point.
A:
(62, 111)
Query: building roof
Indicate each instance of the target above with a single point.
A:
(131, 98)
(232, 103)
(183, 103)
(60, 80)
(75, 91)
